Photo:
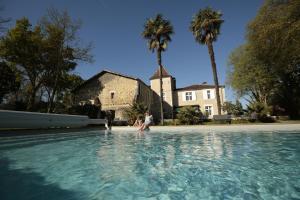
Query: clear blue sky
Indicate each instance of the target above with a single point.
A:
(115, 26)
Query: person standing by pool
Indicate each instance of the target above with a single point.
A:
(148, 120)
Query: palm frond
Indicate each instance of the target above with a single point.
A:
(206, 25)
(158, 32)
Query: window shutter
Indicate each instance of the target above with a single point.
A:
(204, 94)
(193, 95)
(183, 96)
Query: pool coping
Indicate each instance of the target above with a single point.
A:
(222, 128)
(17, 132)
(182, 128)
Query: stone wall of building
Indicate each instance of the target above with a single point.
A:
(89, 91)
(150, 99)
(168, 89)
(114, 93)
(145, 95)
(118, 93)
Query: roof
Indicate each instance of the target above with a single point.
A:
(110, 72)
(156, 74)
(199, 87)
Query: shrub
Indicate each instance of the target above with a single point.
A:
(171, 122)
(235, 109)
(259, 111)
(134, 111)
(189, 115)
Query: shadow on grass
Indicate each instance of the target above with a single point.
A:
(18, 184)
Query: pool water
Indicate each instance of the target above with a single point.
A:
(154, 165)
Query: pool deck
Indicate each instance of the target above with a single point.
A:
(221, 128)
(277, 127)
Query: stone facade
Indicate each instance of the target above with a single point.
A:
(113, 91)
(168, 87)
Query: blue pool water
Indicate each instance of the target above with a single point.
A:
(155, 165)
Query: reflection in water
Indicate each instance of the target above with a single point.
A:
(171, 165)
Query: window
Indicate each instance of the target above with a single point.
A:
(208, 94)
(208, 110)
(112, 95)
(188, 96)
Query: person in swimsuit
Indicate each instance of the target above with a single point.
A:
(148, 120)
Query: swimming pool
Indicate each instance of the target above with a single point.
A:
(170, 164)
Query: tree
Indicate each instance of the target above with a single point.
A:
(158, 33)
(267, 66)
(231, 108)
(62, 50)
(205, 27)
(69, 83)
(9, 80)
(189, 115)
(22, 46)
(249, 77)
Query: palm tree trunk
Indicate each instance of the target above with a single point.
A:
(214, 69)
(160, 87)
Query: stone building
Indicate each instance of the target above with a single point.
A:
(114, 91)
(200, 96)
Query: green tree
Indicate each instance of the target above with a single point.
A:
(62, 50)
(22, 46)
(249, 77)
(231, 108)
(70, 82)
(189, 115)
(267, 66)
(9, 80)
(205, 27)
(158, 33)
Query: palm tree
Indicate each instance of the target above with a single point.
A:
(158, 31)
(205, 27)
